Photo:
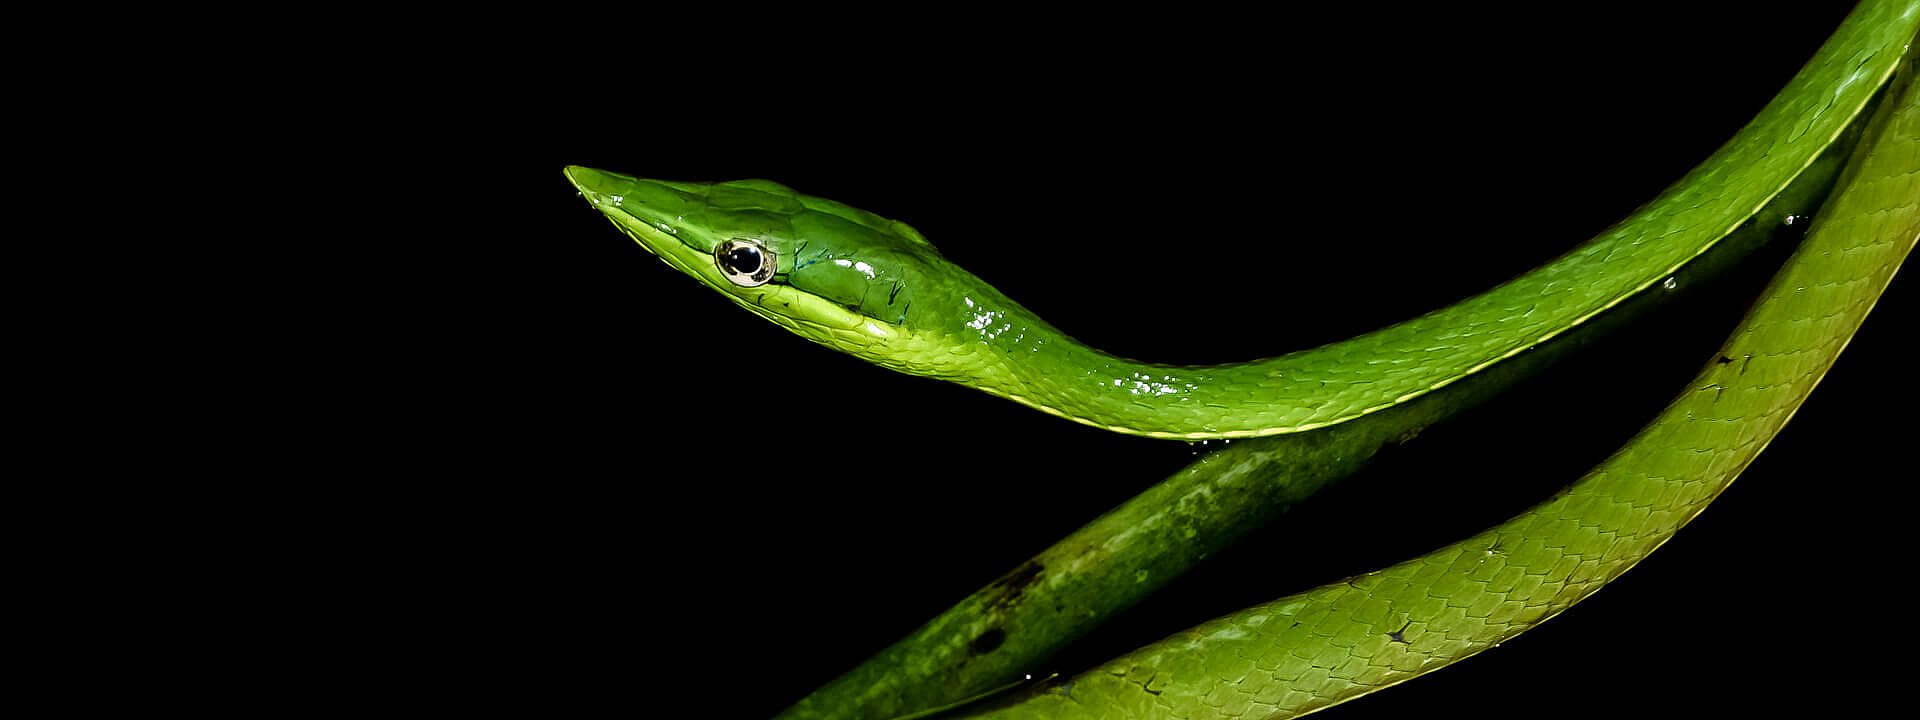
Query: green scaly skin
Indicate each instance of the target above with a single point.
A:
(1016, 623)
(874, 288)
(578, 175)
(1331, 644)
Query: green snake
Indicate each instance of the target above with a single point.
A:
(876, 289)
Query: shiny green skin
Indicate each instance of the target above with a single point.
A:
(874, 288)
(1084, 691)
(1331, 644)
(1130, 552)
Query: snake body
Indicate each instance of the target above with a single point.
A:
(874, 288)
(1130, 552)
(1324, 646)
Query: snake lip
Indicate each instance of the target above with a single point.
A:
(623, 201)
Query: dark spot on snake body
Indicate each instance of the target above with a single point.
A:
(1724, 360)
(1006, 591)
(987, 642)
(1400, 636)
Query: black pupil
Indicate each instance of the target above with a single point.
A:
(744, 259)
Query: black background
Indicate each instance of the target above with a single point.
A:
(659, 497)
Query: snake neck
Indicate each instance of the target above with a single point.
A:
(992, 344)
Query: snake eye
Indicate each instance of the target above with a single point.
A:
(744, 262)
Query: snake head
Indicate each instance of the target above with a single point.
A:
(834, 274)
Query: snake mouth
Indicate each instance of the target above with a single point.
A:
(650, 217)
(654, 215)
